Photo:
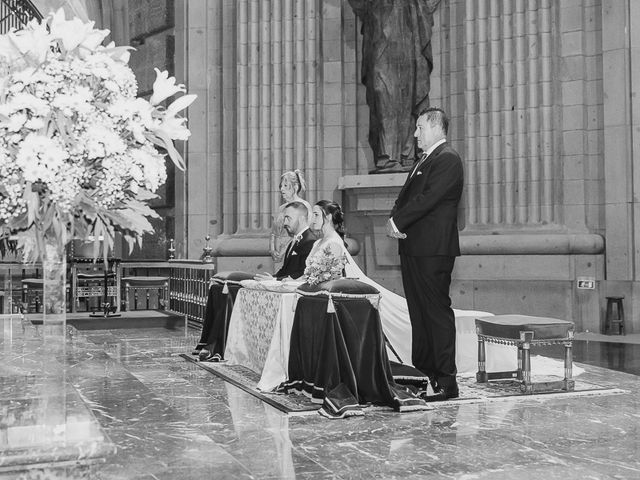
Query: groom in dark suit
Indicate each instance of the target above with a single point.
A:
(424, 220)
(296, 224)
(214, 329)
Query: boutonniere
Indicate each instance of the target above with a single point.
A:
(418, 173)
(294, 252)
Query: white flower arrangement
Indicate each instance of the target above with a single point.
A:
(324, 266)
(78, 149)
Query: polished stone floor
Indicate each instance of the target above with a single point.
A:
(125, 404)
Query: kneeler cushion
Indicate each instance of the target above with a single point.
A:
(510, 326)
(347, 286)
(222, 294)
(232, 276)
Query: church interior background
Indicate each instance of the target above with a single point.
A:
(543, 107)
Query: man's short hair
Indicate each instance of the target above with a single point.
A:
(301, 207)
(436, 116)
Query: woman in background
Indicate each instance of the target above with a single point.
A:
(292, 187)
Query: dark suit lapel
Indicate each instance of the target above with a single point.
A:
(293, 245)
(307, 235)
(422, 169)
(287, 254)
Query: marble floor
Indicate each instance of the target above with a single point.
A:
(127, 407)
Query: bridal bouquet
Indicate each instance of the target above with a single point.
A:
(324, 266)
(79, 151)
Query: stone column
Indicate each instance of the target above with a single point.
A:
(634, 38)
(277, 104)
(618, 137)
(508, 114)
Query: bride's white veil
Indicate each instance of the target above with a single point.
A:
(394, 313)
(394, 316)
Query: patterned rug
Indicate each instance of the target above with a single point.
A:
(246, 379)
(470, 391)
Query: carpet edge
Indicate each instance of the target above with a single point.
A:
(249, 390)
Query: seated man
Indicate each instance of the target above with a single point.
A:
(295, 222)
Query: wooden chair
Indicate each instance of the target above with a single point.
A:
(92, 279)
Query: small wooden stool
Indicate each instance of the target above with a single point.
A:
(610, 322)
(160, 284)
(525, 332)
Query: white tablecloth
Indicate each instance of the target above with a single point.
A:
(260, 333)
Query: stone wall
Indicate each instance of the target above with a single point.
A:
(148, 26)
(542, 106)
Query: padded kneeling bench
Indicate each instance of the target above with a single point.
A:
(223, 288)
(525, 332)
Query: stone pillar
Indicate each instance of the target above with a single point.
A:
(618, 136)
(620, 84)
(510, 154)
(634, 58)
(277, 104)
(254, 65)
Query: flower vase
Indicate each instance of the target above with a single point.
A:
(54, 275)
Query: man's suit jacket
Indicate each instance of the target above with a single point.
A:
(295, 257)
(427, 207)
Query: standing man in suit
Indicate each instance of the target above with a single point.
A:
(424, 220)
(296, 223)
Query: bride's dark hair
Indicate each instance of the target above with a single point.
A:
(337, 216)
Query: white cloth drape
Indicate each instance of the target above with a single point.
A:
(394, 315)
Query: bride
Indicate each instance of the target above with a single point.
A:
(327, 220)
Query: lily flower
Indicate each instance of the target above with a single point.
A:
(8, 50)
(94, 39)
(180, 104)
(119, 54)
(33, 42)
(164, 87)
(174, 128)
(73, 32)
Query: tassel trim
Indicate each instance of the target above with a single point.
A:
(331, 308)
(374, 299)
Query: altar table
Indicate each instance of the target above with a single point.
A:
(260, 332)
(261, 329)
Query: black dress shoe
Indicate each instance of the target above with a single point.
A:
(207, 356)
(441, 394)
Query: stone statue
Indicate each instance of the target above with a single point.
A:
(396, 65)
